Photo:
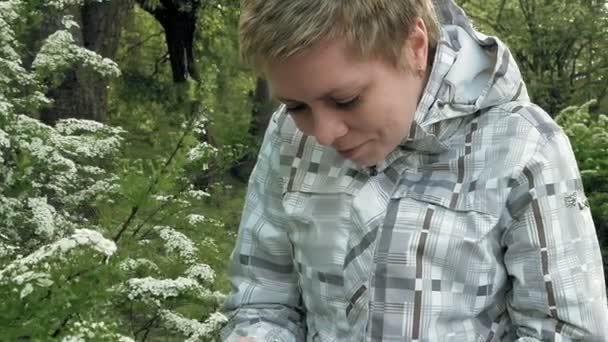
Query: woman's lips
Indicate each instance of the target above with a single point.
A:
(351, 152)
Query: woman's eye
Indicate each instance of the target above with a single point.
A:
(348, 104)
(296, 108)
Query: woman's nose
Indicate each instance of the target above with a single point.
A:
(328, 127)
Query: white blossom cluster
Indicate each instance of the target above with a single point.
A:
(89, 146)
(12, 73)
(62, 4)
(202, 150)
(60, 51)
(197, 194)
(209, 243)
(43, 216)
(177, 242)
(83, 331)
(199, 126)
(162, 198)
(4, 139)
(9, 15)
(152, 290)
(51, 179)
(54, 168)
(171, 198)
(80, 238)
(41, 279)
(10, 209)
(72, 126)
(22, 271)
(201, 272)
(130, 265)
(194, 219)
(194, 329)
(216, 223)
(6, 250)
(96, 189)
(61, 160)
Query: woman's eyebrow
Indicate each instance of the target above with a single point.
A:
(351, 90)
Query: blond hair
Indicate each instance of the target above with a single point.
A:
(273, 30)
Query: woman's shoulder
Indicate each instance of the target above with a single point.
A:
(523, 118)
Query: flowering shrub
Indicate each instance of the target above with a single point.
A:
(74, 264)
(588, 135)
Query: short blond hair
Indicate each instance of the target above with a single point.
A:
(273, 30)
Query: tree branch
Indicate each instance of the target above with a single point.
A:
(138, 44)
(192, 117)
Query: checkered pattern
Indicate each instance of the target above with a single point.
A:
(474, 229)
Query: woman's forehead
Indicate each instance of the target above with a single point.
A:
(324, 70)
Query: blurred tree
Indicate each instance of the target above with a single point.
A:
(81, 93)
(178, 19)
(588, 135)
(560, 46)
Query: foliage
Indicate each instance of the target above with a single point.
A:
(147, 80)
(95, 244)
(560, 46)
(588, 135)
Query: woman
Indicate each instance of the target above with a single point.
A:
(407, 189)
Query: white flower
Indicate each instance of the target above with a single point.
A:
(5, 106)
(144, 242)
(95, 240)
(43, 216)
(59, 51)
(198, 194)
(176, 242)
(162, 198)
(41, 278)
(70, 126)
(216, 223)
(152, 290)
(199, 125)
(209, 243)
(87, 146)
(62, 4)
(85, 330)
(68, 22)
(82, 237)
(195, 219)
(5, 142)
(200, 151)
(201, 272)
(194, 329)
(27, 289)
(6, 250)
(130, 265)
(9, 10)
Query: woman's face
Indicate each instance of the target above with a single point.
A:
(361, 108)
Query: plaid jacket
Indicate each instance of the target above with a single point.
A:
(475, 228)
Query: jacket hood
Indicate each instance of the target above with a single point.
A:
(471, 72)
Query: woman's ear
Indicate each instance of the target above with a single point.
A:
(417, 48)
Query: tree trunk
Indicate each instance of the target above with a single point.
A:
(260, 116)
(82, 94)
(179, 24)
(262, 109)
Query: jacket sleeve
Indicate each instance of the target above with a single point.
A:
(552, 253)
(264, 303)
